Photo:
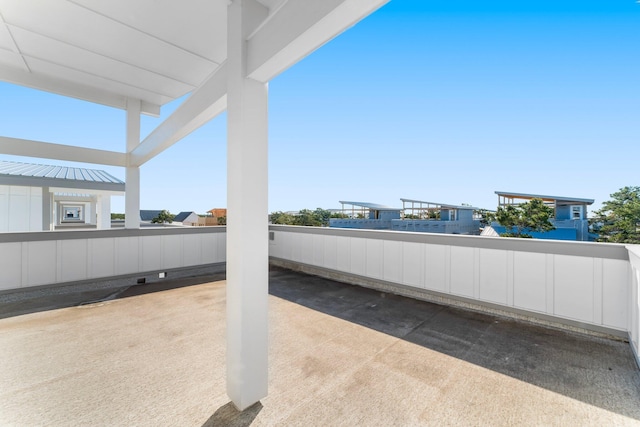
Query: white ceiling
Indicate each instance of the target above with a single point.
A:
(107, 50)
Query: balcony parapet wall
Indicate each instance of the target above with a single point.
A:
(40, 259)
(576, 285)
(634, 300)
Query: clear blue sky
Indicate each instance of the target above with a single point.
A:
(438, 100)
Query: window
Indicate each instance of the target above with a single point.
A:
(576, 212)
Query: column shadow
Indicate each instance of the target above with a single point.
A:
(228, 416)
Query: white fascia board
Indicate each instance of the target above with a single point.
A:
(46, 150)
(204, 103)
(95, 192)
(72, 90)
(298, 28)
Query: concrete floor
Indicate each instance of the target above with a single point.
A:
(339, 356)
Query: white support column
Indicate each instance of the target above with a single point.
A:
(247, 224)
(93, 211)
(104, 211)
(132, 173)
(47, 209)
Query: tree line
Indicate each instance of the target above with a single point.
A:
(617, 221)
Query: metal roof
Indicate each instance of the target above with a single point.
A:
(36, 175)
(182, 216)
(546, 198)
(441, 205)
(373, 206)
(148, 215)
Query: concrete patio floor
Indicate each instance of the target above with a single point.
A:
(340, 355)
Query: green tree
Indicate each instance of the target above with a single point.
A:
(520, 220)
(339, 215)
(618, 221)
(486, 216)
(117, 216)
(163, 217)
(222, 220)
(307, 217)
(283, 218)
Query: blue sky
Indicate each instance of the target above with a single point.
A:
(437, 100)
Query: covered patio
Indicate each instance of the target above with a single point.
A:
(314, 352)
(140, 56)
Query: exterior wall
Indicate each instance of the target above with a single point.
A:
(580, 225)
(437, 226)
(576, 230)
(388, 215)
(580, 284)
(192, 219)
(20, 208)
(35, 259)
(365, 224)
(634, 301)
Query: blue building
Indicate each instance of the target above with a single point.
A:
(431, 217)
(414, 216)
(370, 216)
(570, 216)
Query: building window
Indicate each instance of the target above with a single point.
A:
(72, 214)
(576, 212)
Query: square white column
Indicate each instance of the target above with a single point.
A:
(247, 212)
(132, 173)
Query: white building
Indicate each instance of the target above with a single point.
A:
(36, 197)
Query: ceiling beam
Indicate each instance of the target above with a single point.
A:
(72, 89)
(204, 103)
(46, 150)
(298, 28)
(311, 23)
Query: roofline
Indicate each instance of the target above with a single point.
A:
(545, 197)
(37, 181)
(373, 206)
(442, 205)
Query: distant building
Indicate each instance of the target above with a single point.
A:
(414, 216)
(431, 217)
(214, 216)
(365, 215)
(35, 197)
(570, 216)
(187, 218)
(148, 215)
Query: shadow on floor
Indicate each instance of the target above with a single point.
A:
(55, 298)
(228, 416)
(593, 370)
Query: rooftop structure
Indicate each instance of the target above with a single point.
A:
(423, 208)
(432, 217)
(365, 215)
(510, 198)
(36, 175)
(142, 60)
(41, 197)
(570, 215)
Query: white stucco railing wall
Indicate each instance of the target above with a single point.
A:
(588, 285)
(48, 258)
(634, 300)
